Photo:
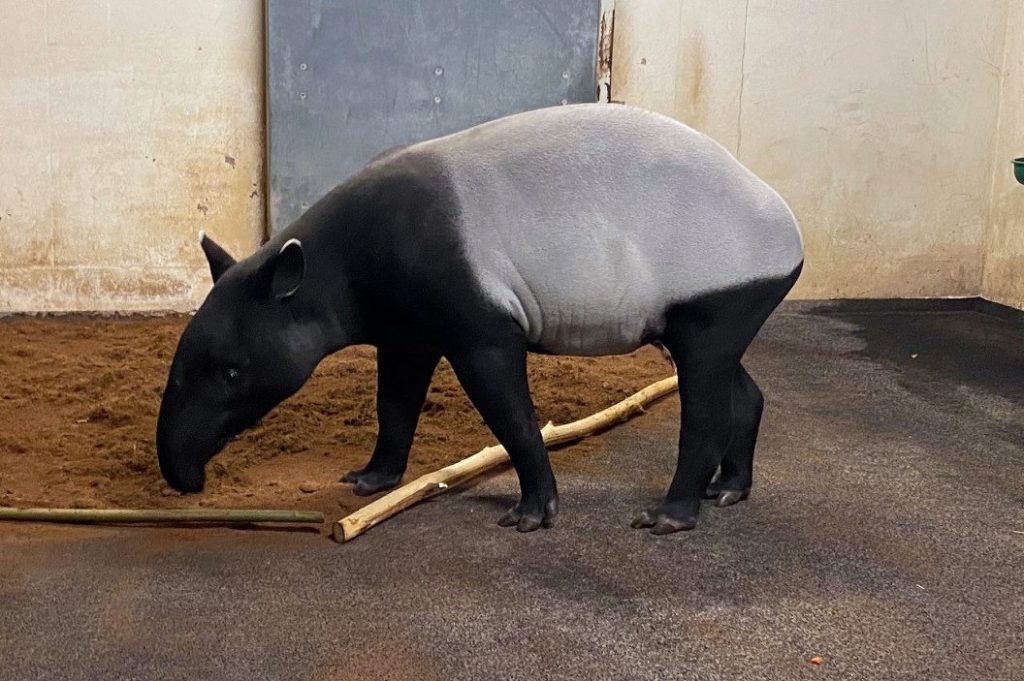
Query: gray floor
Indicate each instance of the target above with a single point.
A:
(885, 535)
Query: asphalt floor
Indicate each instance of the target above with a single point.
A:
(884, 538)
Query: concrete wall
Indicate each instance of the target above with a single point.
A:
(875, 119)
(1004, 257)
(126, 126)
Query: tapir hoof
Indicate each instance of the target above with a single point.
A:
(370, 482)
(665, 520)
(526, 520)
(726, 495)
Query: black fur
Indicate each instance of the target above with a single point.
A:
(720, 403)
(379, 261)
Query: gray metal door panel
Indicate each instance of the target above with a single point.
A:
(349, 78)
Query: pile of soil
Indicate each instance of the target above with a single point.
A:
(79, 398)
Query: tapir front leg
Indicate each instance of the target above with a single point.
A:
(494, 377)
(403, 376)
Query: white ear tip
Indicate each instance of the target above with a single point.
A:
(202, 236)
(289, 243)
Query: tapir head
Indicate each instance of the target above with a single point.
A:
(252, 343)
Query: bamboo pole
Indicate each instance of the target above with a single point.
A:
(439, 481)
(170, 515)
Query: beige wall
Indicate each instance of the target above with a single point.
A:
(1004, 258)
(874, 119)
(126, 126)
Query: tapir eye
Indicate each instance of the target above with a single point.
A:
(231, 375)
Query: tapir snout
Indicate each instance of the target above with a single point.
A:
(572, 230)
(182, 452)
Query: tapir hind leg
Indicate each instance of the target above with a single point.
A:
(705, 391)
(403, 376)
(732, 482)
(707, 338)
(494, 377)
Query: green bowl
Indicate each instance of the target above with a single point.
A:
(1018, 169)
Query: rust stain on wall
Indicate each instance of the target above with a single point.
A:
(605, 49)
(691, 86)
(97, 223)
(623, 51)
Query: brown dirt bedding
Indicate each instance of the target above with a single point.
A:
(79, 398)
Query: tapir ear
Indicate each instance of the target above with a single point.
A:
(216, 256)
(282, 274)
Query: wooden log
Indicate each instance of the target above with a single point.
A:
(169, 515)
(439, 481)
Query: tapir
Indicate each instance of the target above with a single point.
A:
(588, 229)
